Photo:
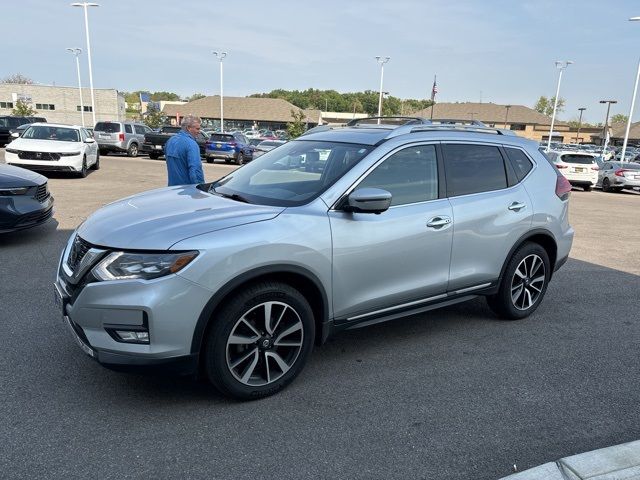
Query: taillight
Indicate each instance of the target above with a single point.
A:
(595, 167)
(563, 187)
(620, 172)
(232, 144)
(121, 137)
(562, 166)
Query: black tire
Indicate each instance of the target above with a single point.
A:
(96, 166)
(606, 185)
(587, 188)
(154, 156)
(83, 172)
(209, 160)
(227, 160)
(239, 158)
(132, 151)
(290, 310)
(512, 303)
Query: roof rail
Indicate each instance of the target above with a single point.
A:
(387, 121)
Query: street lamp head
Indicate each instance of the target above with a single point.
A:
(220, 55)
(563, 64)
(382, 60)
(74, 50)
(608, 101)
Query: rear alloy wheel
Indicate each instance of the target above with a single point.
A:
(132, 151)
(240, 159)
(606, 185)
(260, 341)
(523, 284)
(82, 173)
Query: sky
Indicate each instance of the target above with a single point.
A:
(499, 51)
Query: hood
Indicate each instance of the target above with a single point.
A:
(157, 219)
(33, 145)
(11, 176)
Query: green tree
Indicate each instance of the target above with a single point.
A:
(195, 96)
(23, 109)
(168, 96)
(544, 105)
(297, 127)
(154, 117)
(619, 118)
(17, 78)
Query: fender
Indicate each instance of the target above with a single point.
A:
(222, 293)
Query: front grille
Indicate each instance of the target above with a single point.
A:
(42, 193)
(78, 250)
(34, 217)
(46, 156)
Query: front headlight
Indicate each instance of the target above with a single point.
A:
(12, 150)
(4, 192)
(70, 154)
(145, 266)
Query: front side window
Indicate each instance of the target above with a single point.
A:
(60, 134)
(473, 169)
(292, 174)
(410, 175)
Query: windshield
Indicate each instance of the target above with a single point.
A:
(60, 134)
(107, 127)
(292, 174)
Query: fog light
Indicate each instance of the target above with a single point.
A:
(132, 336)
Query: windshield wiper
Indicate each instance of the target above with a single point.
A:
(232, 196)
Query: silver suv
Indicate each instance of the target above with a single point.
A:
(237, 279)
(125, 137)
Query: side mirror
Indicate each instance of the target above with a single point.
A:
(90, 140)
(368, 200)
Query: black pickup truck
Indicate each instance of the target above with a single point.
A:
(154, 142)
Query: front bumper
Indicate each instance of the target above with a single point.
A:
(168, 307)
(18, 213)
(64, 164)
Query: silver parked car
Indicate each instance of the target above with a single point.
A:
(237, 279)
(125, 137)
(616, 176)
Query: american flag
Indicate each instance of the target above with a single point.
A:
(434, 89)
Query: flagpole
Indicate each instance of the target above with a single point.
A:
(433, 96)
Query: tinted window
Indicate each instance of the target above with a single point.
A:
(411, 175)
(107, 127)
(219, 137)
(60, 134)
(576, 158)
(520, 162)
(473, 169)
(128, 129)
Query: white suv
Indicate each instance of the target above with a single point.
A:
(579, 168)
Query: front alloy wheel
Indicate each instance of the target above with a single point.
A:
(528, 282)
(259, 341)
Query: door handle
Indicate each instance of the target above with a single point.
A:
(439, 222)
(516, 206)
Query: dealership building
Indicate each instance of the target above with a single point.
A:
(62, 104)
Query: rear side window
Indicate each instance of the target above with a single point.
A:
(519, 161)
(107, 127)
(140, 130)
(128, 129)
(473, 169)
(579, 159)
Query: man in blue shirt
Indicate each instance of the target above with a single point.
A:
(184, 165)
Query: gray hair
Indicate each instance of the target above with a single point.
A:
(189, 121)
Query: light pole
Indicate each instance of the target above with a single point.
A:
(506, 115)
(86, 29)
(381, 61)
(560, 66)
(633, 103)
(582, 109)
(221, 56)
(606, 124)
(76, 52)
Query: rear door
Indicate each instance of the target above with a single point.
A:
(491, 211)
(399, 258)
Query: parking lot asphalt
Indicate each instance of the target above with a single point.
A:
(451, 394)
